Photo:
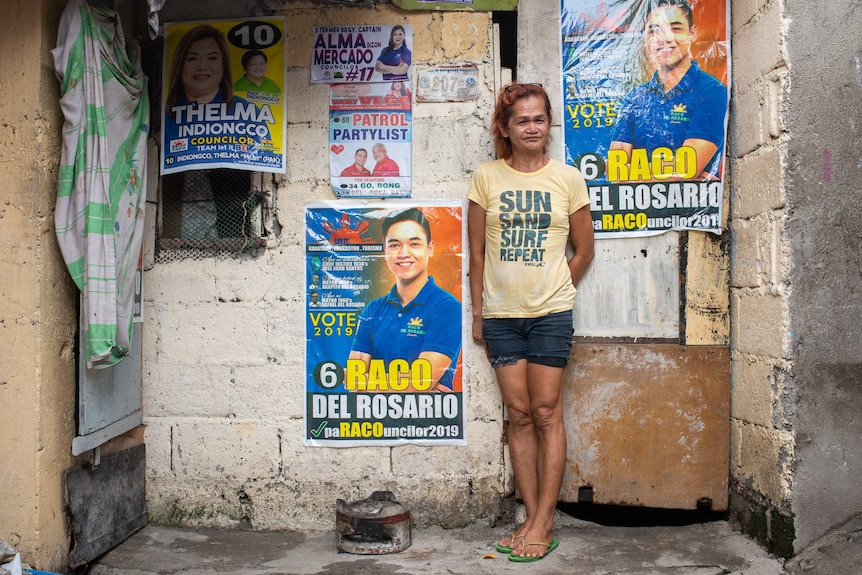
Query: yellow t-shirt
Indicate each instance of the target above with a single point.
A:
(526, 230)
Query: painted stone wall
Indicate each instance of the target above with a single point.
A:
(224, 371)
(762, 439)
(37, 298)
(223, 376)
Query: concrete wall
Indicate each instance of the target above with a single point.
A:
(824, 233)
(224, 371)
(796, 269)
(37, 298)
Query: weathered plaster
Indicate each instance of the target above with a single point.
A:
(795, 137)
(37, 299)
(824, 230)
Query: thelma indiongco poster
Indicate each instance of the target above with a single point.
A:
(224, 96)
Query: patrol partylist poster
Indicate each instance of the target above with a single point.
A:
(384, 323)
(370, 140)
(646, 92)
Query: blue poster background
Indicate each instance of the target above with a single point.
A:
(606, 54)
(345, 270)
(236, 127)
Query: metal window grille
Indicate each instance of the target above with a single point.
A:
(209, 213)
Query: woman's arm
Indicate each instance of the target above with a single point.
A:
(386, 69)
(476, 241)
(581, 234)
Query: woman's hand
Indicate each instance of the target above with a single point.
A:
(477, 330)
(477, 335)
(581, 234)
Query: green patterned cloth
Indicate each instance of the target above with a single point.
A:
(99, 213)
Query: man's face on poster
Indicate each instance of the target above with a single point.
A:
(255, 68)
(360, 157)
(379, 152)
(407, 250)
(668, 36)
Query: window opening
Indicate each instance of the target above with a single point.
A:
(202, 213)
(206, 213)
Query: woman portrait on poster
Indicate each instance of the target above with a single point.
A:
(399, 89)
(201, 74)
(395, 59)
(200, 70)
(522, 285)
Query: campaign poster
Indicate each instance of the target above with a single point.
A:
(384, 323)
(370, 140)
(645, 94)
(362, 53)
(224, 96)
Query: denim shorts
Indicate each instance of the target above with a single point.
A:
(545, 340)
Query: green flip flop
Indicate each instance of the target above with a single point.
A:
(507, 550)
(548, 548)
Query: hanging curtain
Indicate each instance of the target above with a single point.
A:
(99, 213)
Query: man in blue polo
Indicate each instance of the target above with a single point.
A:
(416, 319)
(681, 105)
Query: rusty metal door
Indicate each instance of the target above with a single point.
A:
(647, 397)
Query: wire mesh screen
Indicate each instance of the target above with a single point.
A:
(207, 213)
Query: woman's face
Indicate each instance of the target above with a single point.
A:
(528, 128)
(397, 37)
(202, 70)
(255, 68)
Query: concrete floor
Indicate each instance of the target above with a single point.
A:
(586, 548)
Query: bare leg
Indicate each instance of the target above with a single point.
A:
(523, 447)
(548, 459)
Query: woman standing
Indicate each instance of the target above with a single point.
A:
(524, 207)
